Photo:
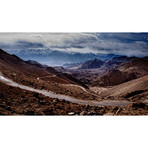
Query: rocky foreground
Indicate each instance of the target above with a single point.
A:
(15, 101)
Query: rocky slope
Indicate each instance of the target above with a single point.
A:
(96, 63)
(129, 89)
(115, 62)
(15, 101)
(130, 69)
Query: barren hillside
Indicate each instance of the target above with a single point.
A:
(132, 69)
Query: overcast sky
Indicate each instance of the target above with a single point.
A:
(117, 43)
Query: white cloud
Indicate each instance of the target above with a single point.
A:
(50, 39)
(77, 50)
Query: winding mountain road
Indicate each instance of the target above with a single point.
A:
(82, 88)
(68, 98)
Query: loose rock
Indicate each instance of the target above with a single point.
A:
(71, 113)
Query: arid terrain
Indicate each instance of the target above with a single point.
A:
(118, 86)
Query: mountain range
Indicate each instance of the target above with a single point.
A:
(58, 58)
(110, 72)
(94, 87)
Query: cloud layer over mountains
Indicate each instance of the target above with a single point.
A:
(130, 44)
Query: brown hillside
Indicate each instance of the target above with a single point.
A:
(40, 77)
(133, 69)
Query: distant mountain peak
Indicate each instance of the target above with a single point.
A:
(96, 63)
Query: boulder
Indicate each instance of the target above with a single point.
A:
(71, 113)
(83, 113)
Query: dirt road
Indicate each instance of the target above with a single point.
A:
(68, 98)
